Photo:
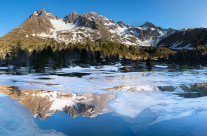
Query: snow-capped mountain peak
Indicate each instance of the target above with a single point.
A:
(89, 26)
(148, 25)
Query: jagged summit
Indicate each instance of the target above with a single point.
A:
(121, 23)
(71, 17)
(41, 12)
(148, 25)
(73, 12)
(92, 12)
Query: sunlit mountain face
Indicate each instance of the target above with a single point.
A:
(42, 26)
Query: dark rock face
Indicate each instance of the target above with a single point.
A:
(149, 31)
(85, 22)
(121, 24)
(71, 18)
(148, 25)
(71, 110)
(80, 109)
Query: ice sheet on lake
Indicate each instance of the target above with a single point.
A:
(103, 78)
(15, 119)
(164, 105)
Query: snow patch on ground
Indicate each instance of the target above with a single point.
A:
(59, 25)
(175, 45)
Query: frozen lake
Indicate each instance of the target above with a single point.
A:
(104, 101)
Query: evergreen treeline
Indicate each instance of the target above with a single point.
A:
(195, 57)
(59, 55)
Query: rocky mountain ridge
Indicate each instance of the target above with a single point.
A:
(92, 27)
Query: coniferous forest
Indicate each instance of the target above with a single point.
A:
(58, 55)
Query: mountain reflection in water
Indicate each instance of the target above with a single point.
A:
(44, 103)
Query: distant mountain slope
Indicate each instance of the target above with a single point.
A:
(185, 39)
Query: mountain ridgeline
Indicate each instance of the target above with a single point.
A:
(92, 38)
(42, 26)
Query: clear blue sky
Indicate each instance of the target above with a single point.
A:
(165, 13)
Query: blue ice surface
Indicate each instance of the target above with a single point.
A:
(16, 120)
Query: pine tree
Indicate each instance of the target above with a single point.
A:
(148, 64)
